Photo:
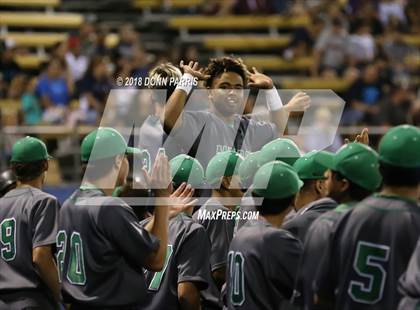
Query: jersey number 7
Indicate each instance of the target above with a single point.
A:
(368, 264)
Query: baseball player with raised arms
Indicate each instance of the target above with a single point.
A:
(263, 258)
(311, 201)
(352, 175)
(223, 126)
(102, 248)
(223, 176)
(373, 243)
(187, 269)
(28, 227)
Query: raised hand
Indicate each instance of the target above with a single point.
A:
(160, 177)
(363, 137)
(192, 68)
(259, 80)
(181, 199)
(299, 102)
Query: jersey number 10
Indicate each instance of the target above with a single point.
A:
(76, 267)
(236, 278)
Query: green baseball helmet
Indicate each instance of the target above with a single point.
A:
(356, 162)
(276, 180)
(280, 149)
(248, 168)
(29, 149)
(223, 164)
(184, 168)
(309, 169)
(107, 142)
(400, 147)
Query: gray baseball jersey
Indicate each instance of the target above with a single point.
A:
(409, 284)
(216, 136)
(28, 219)
(152, 137)
(186, 261)
(220, 233)
(262, 267)
(316, 242)
(370, 249)
(304, 217)
(102, 249)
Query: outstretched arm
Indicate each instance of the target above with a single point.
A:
(175, 105)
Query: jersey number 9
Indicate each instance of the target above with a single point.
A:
(8, 239)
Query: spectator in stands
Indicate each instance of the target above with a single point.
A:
(88, 38)
(331, 48)
(303, 39)
(369, 15)
(395, 108)
(55, 88)
(395, 48)
(388, 8)
(364, 97)
(361, 44)
(76, 61)
(59, 51)
(8, 66)
(94, 88)
(17, 86)
(32, 111)
(128, 38)
(140, 62)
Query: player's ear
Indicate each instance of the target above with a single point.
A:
(345, 184)
(320, 188)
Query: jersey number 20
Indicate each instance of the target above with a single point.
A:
(368, 264)
(76, 268)
(236, 278)
(8, 239)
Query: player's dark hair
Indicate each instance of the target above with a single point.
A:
(355, 192)
(218, 66)
(398, 176)
(274, 206)
(29, 171)
(98, 168)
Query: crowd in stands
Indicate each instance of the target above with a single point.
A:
(359, 41)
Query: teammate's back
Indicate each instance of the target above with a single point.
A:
(267, 272)
(24, 213)
(98, 266)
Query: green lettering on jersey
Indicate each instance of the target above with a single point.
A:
(368, 264)
(76, 271)
(61, 242)
(158, 276)
(236, 278)
(8, 239)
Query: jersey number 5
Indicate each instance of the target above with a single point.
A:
(368, 264)
(76, 268)
(236, 278)
(8, 239)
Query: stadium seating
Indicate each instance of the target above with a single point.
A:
(245, 42)
(40, 20)
(33, 39)
(30, 3)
